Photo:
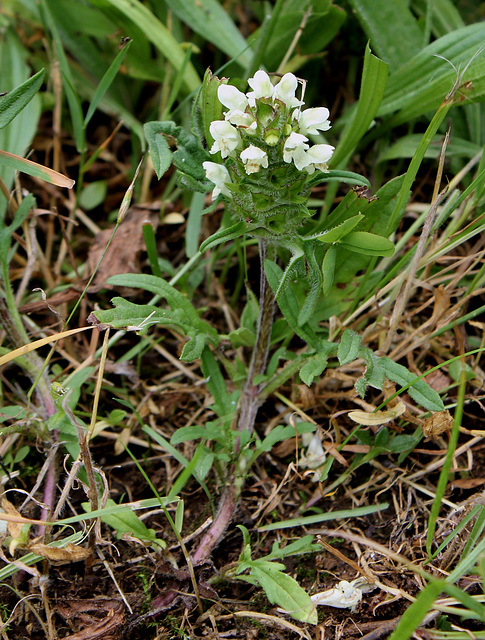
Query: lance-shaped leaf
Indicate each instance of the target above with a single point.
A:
(336, 234)
(419, 390)
(35, 169)
(224, 235)
(14, 101)
(368, 243)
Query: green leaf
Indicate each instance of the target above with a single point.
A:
(212, 22)
(323, 23)
(349, 347)
(242, 337)
(15, 100)
(422, 83)
(313, 368)
(289, 306)
(301, 545)
(188, 158)
(368, 243)
(158, 34)
(374, 79)
(284, 432)
(414, 614)
(17, 137)
(328, 269)
(34, 169)
(93, 194)
(158, 146)
(224, 403)
(283, 590)
(336, 234)
(335, 175)
(224, 235)
(210, 431)
(304, 521)
(105, 82)
(374, 373)
(391, 27)
(418, 389)
(125, 522)
(6, 232)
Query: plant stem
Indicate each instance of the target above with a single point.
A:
(248, 409)
(250, 399)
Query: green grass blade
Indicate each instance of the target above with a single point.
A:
(374, 78)
(158, 34)
(18, 135)
(324, 517)
(412, 617)
(391, 27)
(419, 86)
(13, 103)
(105, 83)
(443, 479)
(415, 163)
(194, 221)
(151, 247)
(212, 22)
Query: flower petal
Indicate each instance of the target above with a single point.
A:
(261, 85)
(254, 158)
(219, 175)
(285, 90)
(226, 137)
(231, 97)
(312, 120)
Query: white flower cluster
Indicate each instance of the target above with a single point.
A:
(251, 118)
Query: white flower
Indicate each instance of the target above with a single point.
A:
(318, 156)
(241, 119)
(261, 87)
(314, 456)
(345, 595)
(295, 149)
(226, 137)
(285, 90)
(312, 120)
(219, 175)
(232, 98)
(254, 158)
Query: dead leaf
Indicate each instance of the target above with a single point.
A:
(467, 483)
(378, 417)
(90, 611)
(441, 305)
(69, 553)
(437, 424)
(14, 528)
(123, 254)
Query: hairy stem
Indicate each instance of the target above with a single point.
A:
(248, 409)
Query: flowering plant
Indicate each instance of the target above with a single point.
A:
(253, 151)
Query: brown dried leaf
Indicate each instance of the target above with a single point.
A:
(437, 424)
(441, 305)
(123, 254)
(14, 528)
(69, 553)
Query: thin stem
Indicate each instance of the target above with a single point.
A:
(248, 409)
(251, 399)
